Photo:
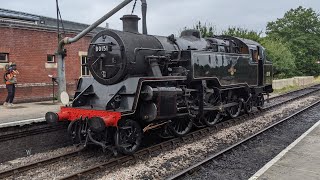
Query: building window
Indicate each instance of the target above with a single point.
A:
(51, 58)
(84, 67)
(4, 57)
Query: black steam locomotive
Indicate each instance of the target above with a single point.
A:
(142, 82)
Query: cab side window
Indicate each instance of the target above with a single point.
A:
(221, 49)
(254, 55)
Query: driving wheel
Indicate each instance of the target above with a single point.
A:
(128, 137)
(248, 106)
(260, 102)
(211, 118)
(234, 111)
(181, 126)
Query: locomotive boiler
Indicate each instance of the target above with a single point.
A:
(144, 83)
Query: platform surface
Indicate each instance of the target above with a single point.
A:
(26, 113)
(299, 161)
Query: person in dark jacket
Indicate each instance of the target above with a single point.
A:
(10, 81)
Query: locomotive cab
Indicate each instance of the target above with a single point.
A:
(258, 56)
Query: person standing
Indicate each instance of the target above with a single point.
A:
(10, 80)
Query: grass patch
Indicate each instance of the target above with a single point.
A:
(317, 80)
(287, 89)
(295, 87)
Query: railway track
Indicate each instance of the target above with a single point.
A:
(302, 90)
(147, 151)
(21, 141)
(36, 129)
(290, 96)
(39, 128)
(196, 166)
(293, 94)
(21, 169)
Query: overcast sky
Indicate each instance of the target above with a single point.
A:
(167, 17)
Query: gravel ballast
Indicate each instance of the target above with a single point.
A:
(182, 156)
(245, 160)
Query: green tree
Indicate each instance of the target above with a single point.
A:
(300, 30)
(243, 33)
(206, 30)
(282, 58)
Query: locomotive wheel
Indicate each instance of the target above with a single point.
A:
(248, 106)
(198, 122)
(260, 102)
(165, 133)
(128, 137)
(234, 111)
(181, 126)
(211, 118)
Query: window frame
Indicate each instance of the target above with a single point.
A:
(53, 57)
(254, 55)
(86, 71)
(6, 57)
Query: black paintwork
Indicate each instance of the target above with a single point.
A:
(117, 57)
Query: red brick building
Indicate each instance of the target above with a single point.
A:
(30, 41)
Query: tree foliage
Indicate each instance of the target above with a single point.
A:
(300, 29)
(282, 58)
(206, 30)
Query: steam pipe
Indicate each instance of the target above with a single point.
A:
(144, 16)
(69, 40)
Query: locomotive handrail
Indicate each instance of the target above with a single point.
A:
(141, 49)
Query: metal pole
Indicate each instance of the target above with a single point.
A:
(61, 75)
(67, 40)
(52, 90)
(144, 16)
(58, 27)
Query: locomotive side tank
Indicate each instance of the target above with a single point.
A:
(168, 84)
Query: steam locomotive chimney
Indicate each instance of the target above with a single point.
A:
(130, 23)
(144, 16)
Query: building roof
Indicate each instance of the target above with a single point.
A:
(26, 19)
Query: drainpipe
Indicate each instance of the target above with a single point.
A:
(67, 40)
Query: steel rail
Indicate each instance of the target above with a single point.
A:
(211, 157)
(172, 142)
(315, 87)
(25, 133)
(294, 98)
(24, 168)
